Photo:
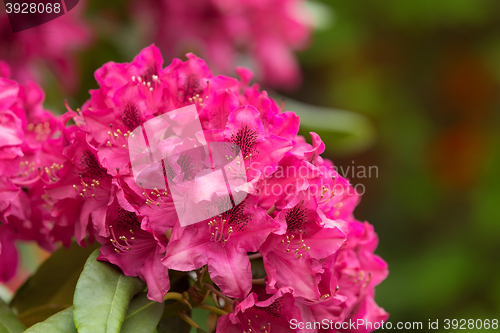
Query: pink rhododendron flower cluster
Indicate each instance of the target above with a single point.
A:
(51, 44)
(31, 141)
(297, 214)
(264, 34)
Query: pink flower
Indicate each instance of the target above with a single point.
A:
(272, 315)
(129, 96)
(222, 243)
(28, 133)
(51, 44)
(30, 154)
(157, 205)
(370, 313)
(82, 192)
(361, 270)
(264, 33)
(145, 67)
(261, 149)
(291, 255)
(137, 252)
(351, 277)
(8, 254)
(129, 178)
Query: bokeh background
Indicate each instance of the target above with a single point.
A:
(427, 74)
(420, 83)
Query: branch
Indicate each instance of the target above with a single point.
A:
(178, 297)
(188, 320)
(213, 309)
(218, 293)
(259, 281)
(254, 256)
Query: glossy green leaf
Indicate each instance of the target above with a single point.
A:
(102, 297)
(61, 322)
(40, 313)
(342, 131)
(8, 320)
(143, 315)
(51, 288)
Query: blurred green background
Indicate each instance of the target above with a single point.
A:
(427, 74)
(420, 80)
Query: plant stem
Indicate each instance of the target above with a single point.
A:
(172, 295)
(188, 320)
(212, 309)
(178, 297)
(215, 299)
(259, 281)
(218, 293)
(254, 256)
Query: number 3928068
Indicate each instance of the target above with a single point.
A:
(32, 8)
(464, 324)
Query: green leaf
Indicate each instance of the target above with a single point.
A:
(170, 321)
(61, 322)
(173, 324)
(143, 315)
(8, 320)
(5, 293)
(199, 330)
(51, 288)
(201, 318)
(102, 297)
(40, 313)
(322, 16)
(342, 131)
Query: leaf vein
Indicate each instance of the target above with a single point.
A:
(113, 301)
